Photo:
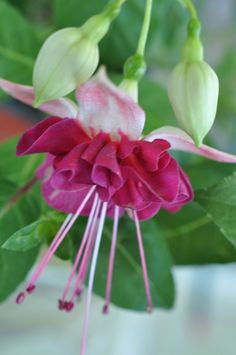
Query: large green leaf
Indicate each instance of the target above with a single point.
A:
(204, 173)
(127, 287)
(193, 238)
(219, 202)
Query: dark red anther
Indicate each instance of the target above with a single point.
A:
(61, 305)
(69, 306)
(30, 288)
(20, 298)
(105, 309)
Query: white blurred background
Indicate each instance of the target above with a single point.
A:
(202, 322)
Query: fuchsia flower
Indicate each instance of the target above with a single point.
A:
(98, 165)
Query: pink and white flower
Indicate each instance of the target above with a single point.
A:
(99, 165)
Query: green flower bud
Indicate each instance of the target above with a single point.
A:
(193, 88)
(68, 58)
(193, 92)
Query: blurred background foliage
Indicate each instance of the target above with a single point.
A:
(202, 232)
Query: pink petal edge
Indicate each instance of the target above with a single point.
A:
(180, 140)
(61, 107)
(103, 106)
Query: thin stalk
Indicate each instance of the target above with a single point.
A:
(191, 8)
(145, 28)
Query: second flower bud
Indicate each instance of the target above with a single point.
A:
(193, 90)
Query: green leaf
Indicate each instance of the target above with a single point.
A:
(14, 266)
(18, 45)
(219, 202)
(24, 239)
(127, 286)
(193, 238)
(204, 174)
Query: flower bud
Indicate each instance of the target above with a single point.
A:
(134, 70)
(193, 91)
(68, 58)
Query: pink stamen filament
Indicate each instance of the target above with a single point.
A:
(44, 259)
(65, 228)
(91, 277)
(111, 261)
(86, 257)
(81, 248)
(143, 262)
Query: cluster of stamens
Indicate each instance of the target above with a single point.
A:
(87, 255)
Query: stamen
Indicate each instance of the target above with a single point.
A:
(91, 277)
(20, 297)
(61, 305)
(69, 306)
(86, 257)
(30, 288)
(65, 228)
(81, 248)
(111, 261)
(143, 262)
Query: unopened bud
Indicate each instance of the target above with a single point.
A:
(134, 70)
(193, 91)
(68, 58)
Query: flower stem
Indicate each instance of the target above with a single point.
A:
(191, 8)
(145, 28)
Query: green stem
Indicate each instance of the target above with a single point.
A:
(145, 28)
(191, 8)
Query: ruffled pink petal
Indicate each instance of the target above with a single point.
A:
(151, 210)
(185, 194)
(65, 201)
(71, 170)
(130, 196)
(96, 144)
(53, 135)
(60, 107)
(104, 107)
(152, 153)
(106, 172)
(180, 140)
(163, 184)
